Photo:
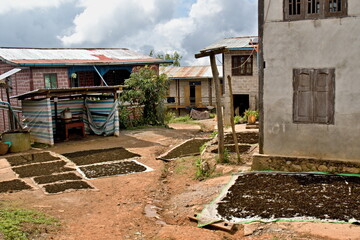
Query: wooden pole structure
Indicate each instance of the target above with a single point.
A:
(220, 123)
(219, 114)
(10, 113)
(261, 21)
(232, 120)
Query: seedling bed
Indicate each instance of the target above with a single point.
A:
(31, 158)
(13, 185)
(231, 148)
(99, 155)
(187, 148)
(111, 169)
(61, 187)
(298, 196)
(57, 178)
(42, 169)
(243, 137)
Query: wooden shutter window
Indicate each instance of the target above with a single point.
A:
(302, 98)
(314, 96)
(198, 98)
(324, 96)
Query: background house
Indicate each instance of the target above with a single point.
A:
(239, 62)
(190, 87)
(28, 69)
(311, 87)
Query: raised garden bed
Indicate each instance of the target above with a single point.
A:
(188, 148)
(41, 169)
(61, 187)
(243, 137)
(100, 155)
(31, 158)
(231, 148)
(111, 169)
(13, 185)
(57, 178)
(266, 196)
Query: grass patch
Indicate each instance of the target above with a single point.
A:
(182, 119)
(23, 224)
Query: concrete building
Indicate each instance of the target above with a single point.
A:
(310, 85)
(190, 87)
(240, 63)
(28, 69)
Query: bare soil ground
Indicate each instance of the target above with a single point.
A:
(150, 205)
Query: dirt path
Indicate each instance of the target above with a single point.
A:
(155, 204)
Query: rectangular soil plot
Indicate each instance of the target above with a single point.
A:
(13, 185)
(100, 155)
(266, 197)
(188, 148)
(112, 169)
(56, 178)
(61, 187)
(41, 169)
(31, 158)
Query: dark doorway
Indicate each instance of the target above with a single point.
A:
(192, 95)
(116, 77)
(241, 103)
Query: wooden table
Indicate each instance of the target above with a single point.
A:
(70, 125)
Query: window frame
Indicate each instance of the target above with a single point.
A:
(236, 70)
(324, 11)
(50, 75)
(315, 94)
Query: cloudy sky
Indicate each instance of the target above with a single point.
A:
(185, 26)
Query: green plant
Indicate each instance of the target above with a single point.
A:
(13, 220)
(202, 147)
(200, 173)
(169, 116)
(213, 134)
(249, 112)
(212, 115)
(146, 88)
(237, 119)
(226, 156)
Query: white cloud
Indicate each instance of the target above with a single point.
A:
(25, 5)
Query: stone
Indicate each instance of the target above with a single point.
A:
(297, 168)
(323, 168)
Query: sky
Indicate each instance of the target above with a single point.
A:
(165, 26)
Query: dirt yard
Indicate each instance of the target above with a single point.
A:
(153, 204)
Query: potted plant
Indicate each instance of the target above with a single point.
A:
(251, 116)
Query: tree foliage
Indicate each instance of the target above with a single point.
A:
(146, 88)
(176, 57)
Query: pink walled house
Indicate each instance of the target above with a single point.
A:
(64, 68)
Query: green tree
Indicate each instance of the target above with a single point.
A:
(146, 88)
(175, 57)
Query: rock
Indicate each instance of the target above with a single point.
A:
(351, 170)
(250, 228)
(323, 168)
(297, 168)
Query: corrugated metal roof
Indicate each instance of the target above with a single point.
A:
(234, 43)
(190, 72)
(53, 56)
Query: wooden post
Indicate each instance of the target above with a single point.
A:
(220, 123)
(232, 120)
(10, 113)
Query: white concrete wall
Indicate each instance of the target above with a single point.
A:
(325, 43)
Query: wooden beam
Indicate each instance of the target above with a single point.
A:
(220, 123)
(209, 52)
(232, 120)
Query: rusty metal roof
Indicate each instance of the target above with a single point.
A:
(74, 56)
(190, 72)
(59, 92)
(234, 43)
